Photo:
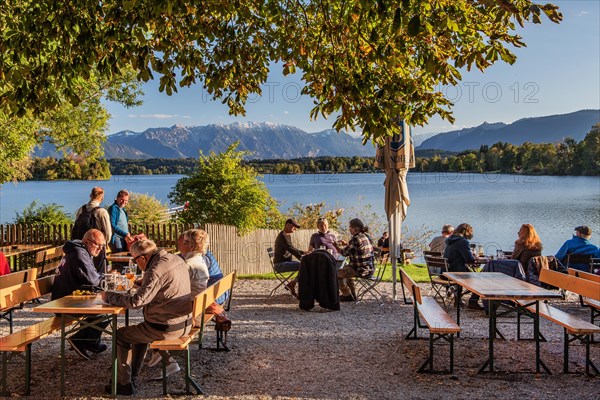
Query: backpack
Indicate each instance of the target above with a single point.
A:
(84, 222)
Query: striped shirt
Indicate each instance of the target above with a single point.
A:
(360, 254)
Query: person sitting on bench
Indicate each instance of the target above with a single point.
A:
(578, 244)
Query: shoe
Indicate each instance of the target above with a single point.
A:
(123, 390)
(79, 348)
(172, 368)
(155, 359)
(450, 292)
(347, 298)
(292, 288)
(96, 347)
(474, 306)
(222, 322)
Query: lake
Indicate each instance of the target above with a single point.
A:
(496, 205)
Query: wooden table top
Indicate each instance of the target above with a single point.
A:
(17, 249)
(91, 304)
(498, 286)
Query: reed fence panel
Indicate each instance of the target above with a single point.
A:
(247, 254)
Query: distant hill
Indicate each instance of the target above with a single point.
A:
(265, 141)
(549, 129)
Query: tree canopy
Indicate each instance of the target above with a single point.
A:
(370, 61)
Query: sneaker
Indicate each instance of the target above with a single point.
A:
(123, 390)
(292, 288)
(347, 298)
(172, 368)
(79, 348)
(96, 347)
(155, 359)
(474, 306)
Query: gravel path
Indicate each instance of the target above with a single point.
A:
(280, 352)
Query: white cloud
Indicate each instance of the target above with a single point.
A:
(286, 112)
(157, 116)
(582, 13)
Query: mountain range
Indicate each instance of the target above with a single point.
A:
(267, 140)
(548, 129)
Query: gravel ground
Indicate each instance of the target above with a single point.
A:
(281, 352)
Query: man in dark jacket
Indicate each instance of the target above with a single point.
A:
(458, 253)
(75, 270)
(165, 295)
(284, 250)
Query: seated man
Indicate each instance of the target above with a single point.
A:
(75, 270)
(578, 244)
(323, 238)
(360, 259)
(438, 243)
(284, 250)
(165, 295)
(384, 244)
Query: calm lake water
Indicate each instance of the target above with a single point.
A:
(496, 205)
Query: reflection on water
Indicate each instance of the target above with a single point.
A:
(496, 205)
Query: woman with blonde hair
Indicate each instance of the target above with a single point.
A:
(527, 245)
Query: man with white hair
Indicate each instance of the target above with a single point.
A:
(579, 244)
(165, 295)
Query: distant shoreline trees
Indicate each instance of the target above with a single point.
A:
(566, 158)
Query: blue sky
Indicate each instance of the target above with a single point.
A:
(558, 72)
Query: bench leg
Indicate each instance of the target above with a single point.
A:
(188, 376)
(451, 353)
(28, 370)
(428, 364)
(165, 360)
(566, 352)
(4, 374)
(588, 360)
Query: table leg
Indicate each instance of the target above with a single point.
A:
(458, 301)
(493, 305)
(62, 354)
(114, 355)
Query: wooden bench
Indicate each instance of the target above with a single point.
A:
(593, 304)
(201, 318)
(440, 325)
(10, 281)
(17, 343)
(574, 328)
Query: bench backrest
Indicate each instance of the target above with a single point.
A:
(219, 288)
(584, 275)
(271, 254)
(14, 278)
(411, 286)
(52, 259)
(14, 295)
(432, 253)
(571, 283)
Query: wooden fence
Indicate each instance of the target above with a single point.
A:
(247, 254)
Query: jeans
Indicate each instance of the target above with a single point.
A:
(287, 266)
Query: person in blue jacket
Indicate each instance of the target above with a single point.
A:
(119, 221)
(579, 244)
(214, 274)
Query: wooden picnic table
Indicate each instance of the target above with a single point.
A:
(496, 287)
(79, 306)
(11, 252)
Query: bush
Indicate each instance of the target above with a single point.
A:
(51, 214)
(145, 209)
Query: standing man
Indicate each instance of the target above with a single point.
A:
(119, 222)
(167, 303)
(438, 243)
(579, 244)
(323, 238)
(89, 216)
(284, 250)
(75, 270)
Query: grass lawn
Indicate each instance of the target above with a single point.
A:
(416, 271)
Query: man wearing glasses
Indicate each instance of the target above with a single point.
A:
(75, 271)
(165, 295)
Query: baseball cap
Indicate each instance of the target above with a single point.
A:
(584, 230)
(291, 221)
